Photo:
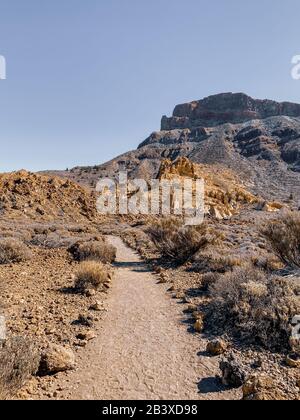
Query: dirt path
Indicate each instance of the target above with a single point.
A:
(143, 349)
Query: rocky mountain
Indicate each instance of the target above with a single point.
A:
(226, 108)
(257, 139)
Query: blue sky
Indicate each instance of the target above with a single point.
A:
(89, 80)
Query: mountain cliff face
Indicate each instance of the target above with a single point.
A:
(257, 139)
(226, 108)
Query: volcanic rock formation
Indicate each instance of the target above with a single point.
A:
(259, 140)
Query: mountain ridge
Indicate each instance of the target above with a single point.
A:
(264, 151)
(226, 108)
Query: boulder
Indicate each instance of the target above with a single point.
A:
(217, 347)
(233, 373)
(261, 388)
(56, 358)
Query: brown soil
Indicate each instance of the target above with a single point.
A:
(39, 304)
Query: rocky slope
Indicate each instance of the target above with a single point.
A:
(42, 197)
(258, 140)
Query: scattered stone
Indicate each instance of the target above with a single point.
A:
(233, 373)
(50, 331)
(217, 347)
(90, 293)
(84, 320)
(180, 295)
(199, 325)
(80, 343)
(295, 344)
(87, 335)
(56, 359)
(163, 278)
(261, 388)
(192, 308)
(187, 300)
(293, 361)
(197, 315)
(97, 306)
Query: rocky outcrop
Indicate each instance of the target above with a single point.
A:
(224, 108)
(44, 197)
(182, 167)
(224, 194)
(234, 373)
(262, 388)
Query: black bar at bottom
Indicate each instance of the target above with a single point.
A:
(103, 409)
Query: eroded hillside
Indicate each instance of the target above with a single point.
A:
(36, 196)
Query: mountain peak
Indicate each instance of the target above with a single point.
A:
(226, 108)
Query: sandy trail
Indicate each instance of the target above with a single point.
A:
(143, 349)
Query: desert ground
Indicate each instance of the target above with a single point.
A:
(145, 307)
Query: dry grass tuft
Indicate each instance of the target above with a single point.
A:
(209, 279)
(19, 360)
(94, 251)
(284, 238)
(255, 306)
(178, 242)
(12, 251)
(92, 275)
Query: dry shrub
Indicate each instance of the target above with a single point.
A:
(267, 262)
(94, 251)
(54, 240)
(12, 251)
(178, 242)
(137, 239)
(209, 279)
(215, 260)
(255, 306)
(19, 360)
(284, 238)
(92, 275)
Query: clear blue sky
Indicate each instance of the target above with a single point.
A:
(90, 79)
